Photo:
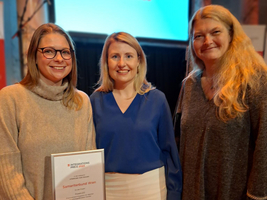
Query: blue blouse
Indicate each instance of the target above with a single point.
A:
(140, 139)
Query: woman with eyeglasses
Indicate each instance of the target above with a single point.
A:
(42, 115)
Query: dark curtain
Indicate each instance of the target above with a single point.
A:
(166, 67)
(166, 70)
(88, 55)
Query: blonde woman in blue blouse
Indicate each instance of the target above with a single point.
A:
(134, 126)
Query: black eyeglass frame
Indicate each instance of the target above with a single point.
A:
(56, 50)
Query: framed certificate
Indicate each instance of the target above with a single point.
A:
(78, 175)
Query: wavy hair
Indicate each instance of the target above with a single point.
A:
(71, 98)
(241, 67)
(105, 82)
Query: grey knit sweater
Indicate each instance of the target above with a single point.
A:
(222, 161)
(33, 125)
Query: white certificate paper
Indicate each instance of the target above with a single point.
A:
(78, 175)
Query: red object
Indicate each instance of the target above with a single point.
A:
(260, 52)
(2, 65)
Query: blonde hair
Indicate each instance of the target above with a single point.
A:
(141, 85)
(241, 67)
(71, 98)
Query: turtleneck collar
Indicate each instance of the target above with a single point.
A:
(53, 93)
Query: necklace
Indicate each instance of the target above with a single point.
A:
(208, 82)
(208, 87)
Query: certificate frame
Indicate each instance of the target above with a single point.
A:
(79, 175)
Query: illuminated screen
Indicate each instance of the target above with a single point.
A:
(153, 19)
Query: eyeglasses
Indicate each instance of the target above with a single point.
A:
(50, 53)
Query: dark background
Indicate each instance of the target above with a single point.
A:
(166, 64)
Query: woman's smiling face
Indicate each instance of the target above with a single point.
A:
(210, 40)
(122, 63)
(53, 71)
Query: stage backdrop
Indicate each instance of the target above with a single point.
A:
(2, 49)
(166, 66)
